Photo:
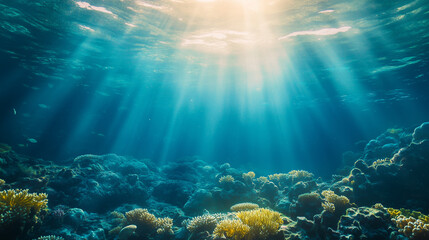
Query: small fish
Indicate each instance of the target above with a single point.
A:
(14, 111)
(44, 106)
(32, 140)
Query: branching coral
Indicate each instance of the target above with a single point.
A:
(144, 220)
(262, 222)
(329, 207)
(292, 177)
(202, 223)
(394, 212)
(255, 224)
(262, 179)
(19, 211)
(278, 177)
(164, 226)
(248, 177)
(147, 223)
(231, 229)
(339, 201)
(21, 204)
(226, 179)
(244, 206)
(300, 175)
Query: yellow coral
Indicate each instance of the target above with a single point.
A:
(412, 224)
(393, 212)
(262, 179)
(231, 229)
(329, 207)
(381, 162)
(412, 228)
(250, 175)
(2, 182)
(22, 200)
(262, 222)
(19, 211)
(244, 206)
(202, 223)
(278, 177)
(378, 206)
(164, 225)
(147, 223)
(300, 175)
(226, 179)
(338, 201)
(144, 220)
(255, 224)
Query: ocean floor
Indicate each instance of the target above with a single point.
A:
(379, 193)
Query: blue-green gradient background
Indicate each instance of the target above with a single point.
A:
(293, 89)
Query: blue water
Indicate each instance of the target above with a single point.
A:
(264, 85)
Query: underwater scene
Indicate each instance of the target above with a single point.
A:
(214, 119)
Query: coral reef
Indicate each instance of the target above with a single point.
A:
(363, 222)
(107, 197)
(404, 173)
(412, 224)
